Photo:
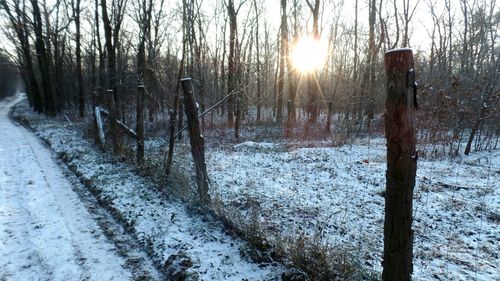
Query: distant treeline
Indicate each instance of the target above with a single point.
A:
(8, 76)
(75, 59)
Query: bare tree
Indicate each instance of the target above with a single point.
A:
(176, 104)
(112, 26)
(233, 74)
(79, 79)
(283, 58)
(406, 18)
(43, 60)
(143, 19)
(8, 70)
(18, 20)
(292, 72)
(257, 61)
(312, 82)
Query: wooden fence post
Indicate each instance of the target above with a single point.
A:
(180, 119)
(140, 124)
(93, 95)
(400, 107)
(101, 137)
(196, 140)
(113, 115)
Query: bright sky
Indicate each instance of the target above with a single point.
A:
(420, 27)
(422, 20)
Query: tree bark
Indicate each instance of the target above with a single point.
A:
(140, 124)
(312, 81)
(231, 73)
(281, 78)
(43, 61)
(372, 48)
(79, 78)
(257, 61)
(111, 34)
(474, 130)
(292, 77)
(176, 105)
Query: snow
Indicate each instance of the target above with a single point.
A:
(399, 50)
(337, 193)
(45, 231)
(334, 193)
(166, 228)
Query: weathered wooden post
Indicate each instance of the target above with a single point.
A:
(140, 124)
(400, 107)
(93, 95)
(112, 120)
(100, 127)
(196, 140)
(180, 122)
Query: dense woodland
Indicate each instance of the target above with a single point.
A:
(75, 54)
(8, 72)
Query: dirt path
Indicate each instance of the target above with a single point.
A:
(46, 233)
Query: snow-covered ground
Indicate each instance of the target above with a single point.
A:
(180, 241)
(331, 193)
(336, 193)
(46, 233)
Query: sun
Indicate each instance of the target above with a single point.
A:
(309, 54)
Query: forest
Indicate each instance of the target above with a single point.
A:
(8, 72)
(259, 81)
(71, 53)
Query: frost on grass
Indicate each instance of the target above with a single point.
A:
(330, 197)
(183, 244)
(336, 195)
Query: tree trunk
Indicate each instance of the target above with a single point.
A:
(474, 130)
(140, 124)
(329, 118)
(173, 113)
(257, 61)
(312, 81)
(371, 64)
(43, 61)
(292, 84)
(79, 79)
(231, 73)
(111, 53)
(145, 27)
(281, 78)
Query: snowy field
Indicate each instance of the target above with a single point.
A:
(336, 194)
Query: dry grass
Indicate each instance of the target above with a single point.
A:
(311, 258)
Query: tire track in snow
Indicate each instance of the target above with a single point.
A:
(45, 231)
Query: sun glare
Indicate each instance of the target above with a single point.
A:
(309, 54)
